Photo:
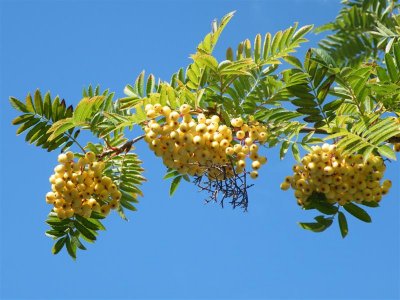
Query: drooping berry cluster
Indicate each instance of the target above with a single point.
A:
(78, 188)
(195, 144)
(341, 178)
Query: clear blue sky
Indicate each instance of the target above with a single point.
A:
(175, 248)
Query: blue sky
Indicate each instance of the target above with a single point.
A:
(172, 248)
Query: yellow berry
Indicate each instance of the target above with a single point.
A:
(62, 158)
(285, 186)
(256, 165)
(254, 174)
(229, 151)
(90, 157)
(184, 109)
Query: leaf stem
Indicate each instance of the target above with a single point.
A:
(76, 142)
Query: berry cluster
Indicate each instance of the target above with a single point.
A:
(195, 144)
(341, 178)
(78, 188)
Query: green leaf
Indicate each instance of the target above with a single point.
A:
(324, 88)
(22, 119)
(171, 173)
(60, 127)
(71, 248)
(314, 227)
(326, 208)
(27, 125)
(47, 106)
(150, 84)
(18, 105)
(296, 152)
(357, 212)
(294, 61)
(325, 221)
(370, 203)
(174, 185)
(55, 233)
(38, 102)
(87, 223)
(97, 216)
(58, 245)
(333, 105)
(387, 151)
(284, 148)
(85, 231)
(76, 241)
(29, 104)
(87, 107)
(343, 224)
(304, 103)
(391, 67)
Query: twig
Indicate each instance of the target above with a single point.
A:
(124, 148)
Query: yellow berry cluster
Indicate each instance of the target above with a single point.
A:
(341, 178)
(78, 188)
(195, 144)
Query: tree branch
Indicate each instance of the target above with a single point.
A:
(124, 148)
(392, 140)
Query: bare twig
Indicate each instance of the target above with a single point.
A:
(230, 187)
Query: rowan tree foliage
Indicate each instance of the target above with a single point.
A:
(212, 122)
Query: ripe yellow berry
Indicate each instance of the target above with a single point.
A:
(90, 157)
(105, 210)
(262, 160)
(248, 141)
(151, 114)
(262, 136)
(201, 118)
(240, 134)
(256, 165)
(241, 163)
(237, 122)
(166, 110)
(50, 197)
(70, 156)
(201, 128)
(174, 116)
(215, 119)
(198, 140)
(253, 148)
(387, 184)
(254, 174)
(62, 158)
(229, 151)
(237, 148)
(185, 109)
(224, 143)
(285, 185)
(59, 169)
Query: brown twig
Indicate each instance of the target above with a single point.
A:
(124, 148)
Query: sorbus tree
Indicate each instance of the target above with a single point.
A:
(211, 122)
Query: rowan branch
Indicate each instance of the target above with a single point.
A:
(123, 148)
(392, 140)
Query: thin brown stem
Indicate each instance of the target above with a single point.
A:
(124, 148)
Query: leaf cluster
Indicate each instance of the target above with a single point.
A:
(38, 116)
(69, 233)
